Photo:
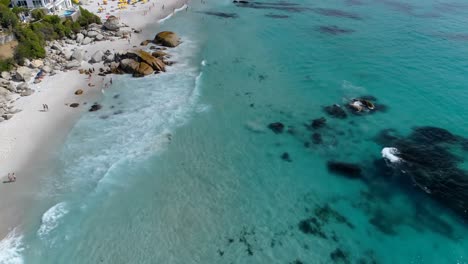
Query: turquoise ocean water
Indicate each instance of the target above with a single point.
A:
(181, 167)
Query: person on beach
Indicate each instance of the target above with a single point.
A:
(111, 81)
(163, 7)
(11, 177)
(45, 107)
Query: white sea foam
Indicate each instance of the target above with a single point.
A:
(51, 219)
(203, 63)
(11, 248)
(171, 14)
(150, 109)
(390, 154)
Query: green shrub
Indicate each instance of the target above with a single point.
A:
(75, 27)
(6, 65)
(8, 19)
(19, 9)
(87, 18)
(5, 2)
(45, 31)
(38, 14)
(30, 44)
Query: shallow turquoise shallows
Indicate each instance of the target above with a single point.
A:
(187, 170)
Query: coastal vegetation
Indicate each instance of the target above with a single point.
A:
(32, 36)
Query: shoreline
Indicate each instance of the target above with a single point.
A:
(32, 138)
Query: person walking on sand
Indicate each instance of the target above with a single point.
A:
(111, 81)
(13, 177)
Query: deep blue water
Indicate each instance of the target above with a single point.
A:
(189, 171)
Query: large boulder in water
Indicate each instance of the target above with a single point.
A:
(144, 69)
(167, 39)
(112, 23)
(143, 56)
(138, 69)
(129, 65)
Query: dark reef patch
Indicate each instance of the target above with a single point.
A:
(285, 156)
(430, 165)
(281, 6)
(383, 223)
(335, 111)
(317, 138)
(318, 123)
(312, 226)
(219, 14)
(297, 261)
(340, 256)
(276, 127)
(326, 214)
(334, 30)
(336, 13)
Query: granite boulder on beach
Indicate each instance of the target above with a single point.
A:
(167, 39)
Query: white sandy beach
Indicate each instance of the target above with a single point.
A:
(31, 139)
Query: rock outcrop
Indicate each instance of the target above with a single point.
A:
(167, 39)
(112, 23)
(97, 56)
(24, 74)
(144, 56)
(78, 55)
(86, 41)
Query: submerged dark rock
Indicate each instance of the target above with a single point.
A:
(349, 170)
(340, 256)
(336, 13)
(276, 127)
(335, 111)
(95, 107)
(219, 14)
(312, 226)
(326, 214)
(276, 16)
(282, 6)
(334, 30)
(297, 261)
(319, 122)
(285, 156)
(317, 138)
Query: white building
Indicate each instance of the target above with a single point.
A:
(51, 5)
